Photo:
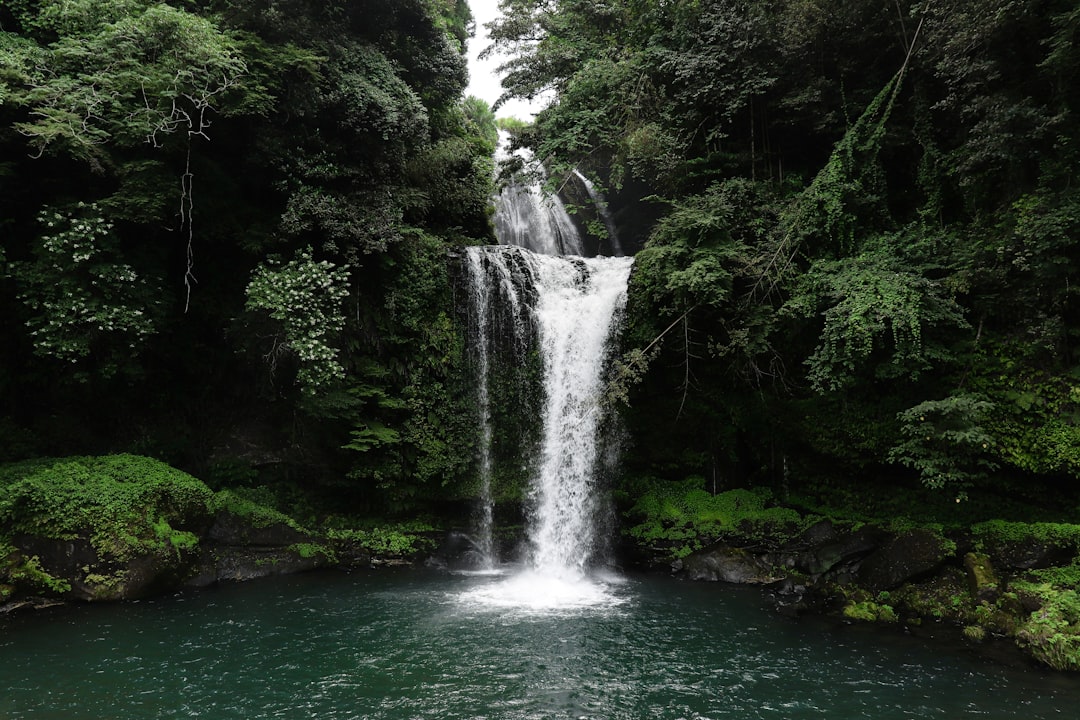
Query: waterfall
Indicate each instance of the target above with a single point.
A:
(545, 314)
(578, 301)
(526, 218)
(565, 310)
(600, 204)
(568, 308)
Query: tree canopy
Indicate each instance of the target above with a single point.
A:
(864, 214)
(226, 226)
(229, 224)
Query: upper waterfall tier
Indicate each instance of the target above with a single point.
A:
(527, 216)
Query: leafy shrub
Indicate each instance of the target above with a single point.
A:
(684, 514)
(305, 296)
(80, 297)
(945, 441)
(398, 540)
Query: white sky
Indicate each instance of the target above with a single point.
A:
(483, 82)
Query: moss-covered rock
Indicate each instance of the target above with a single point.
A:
(870, 611)
(981, 578)
(727, 564)
(99, 528)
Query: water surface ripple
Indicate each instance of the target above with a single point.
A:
(422, 644)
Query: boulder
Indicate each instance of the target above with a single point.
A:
(233, 563)
(726, 564)
(908, 556)
(1028, 554)
(230, 529)
(95, 578)
(838, 549)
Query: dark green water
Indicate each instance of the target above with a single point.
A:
(421, 644)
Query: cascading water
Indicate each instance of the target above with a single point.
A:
(528, 217)
(499, 317)
(600, 204)
(485, 543)
(578, 300)
(568, 306)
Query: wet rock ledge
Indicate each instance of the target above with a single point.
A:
(993, 580)
(125, 527)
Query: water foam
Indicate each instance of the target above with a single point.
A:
(543, 593)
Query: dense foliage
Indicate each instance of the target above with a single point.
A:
(225, 229)
(866, 228)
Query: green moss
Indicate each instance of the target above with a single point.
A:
(126, 505)
(313, 550)
(945, 597)
(869, 611)
(683, 517)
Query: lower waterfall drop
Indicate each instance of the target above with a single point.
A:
(568, 308)
(578, 302)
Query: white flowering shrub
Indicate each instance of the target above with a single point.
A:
(306, 298)
(80, 298)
